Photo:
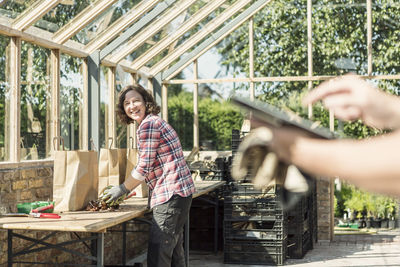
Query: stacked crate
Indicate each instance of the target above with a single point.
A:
(302, 225)
(254, 226)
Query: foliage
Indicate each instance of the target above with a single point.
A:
(216, 120)
(364, 204)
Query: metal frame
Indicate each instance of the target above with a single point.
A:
(118, 26)
(150, 30)
(34, 13)
(81, 20)
(211, 41)
(96, 248)
(193, 40)
(168, 40)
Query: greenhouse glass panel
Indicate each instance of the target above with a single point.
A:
(167, 29)
(104, 106)
(180, 113)
(182, 37)
(385, 39)
(122, 79)
(61, 14)
(4, 100)
(35, 102)
(101, 23)
(71, 102)
(217, 118)
(13, 8)
(339, 38)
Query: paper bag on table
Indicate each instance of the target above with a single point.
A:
(112, 166)
(131, 162)
(75, 181)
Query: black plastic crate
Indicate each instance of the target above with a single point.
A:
(246, 192)
(255, 252)
(257, 209)
(261, 230)
(298, 245)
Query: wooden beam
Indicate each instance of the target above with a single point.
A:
(209, 42)
(119, 25)
(147, 32)
(164, 102)
(206, 31)
(85, 106)
(55, 96)
(277, 79)
(251, 58)
(42, 38)
(309, 52)
(136, 27)
(369, 35)
(81, 20)
(33, 14)
(171, 38)
(196, 135)
(15, 99)
(111, 122)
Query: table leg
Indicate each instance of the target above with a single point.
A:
(187, 241)
(100, 249)
(9, 249)
(216, 225)
(124, 244)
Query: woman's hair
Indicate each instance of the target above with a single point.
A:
(150, 104)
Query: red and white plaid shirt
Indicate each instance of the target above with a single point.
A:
(161, 163)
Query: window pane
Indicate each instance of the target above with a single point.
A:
(104, 107)
(13, 8)
(35, 115)
(122, 80)
(4, 100)
(61, 14)
(180, 112)
(71, 102)
(104, 20)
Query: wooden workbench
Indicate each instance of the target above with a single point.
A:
(94, 222)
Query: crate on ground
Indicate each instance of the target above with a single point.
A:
(254, 252)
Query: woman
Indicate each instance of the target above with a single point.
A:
(162, 165)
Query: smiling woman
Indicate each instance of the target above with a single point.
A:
(162, 165)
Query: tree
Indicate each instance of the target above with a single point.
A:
(339, 38)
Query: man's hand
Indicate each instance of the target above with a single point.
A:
(114, 193)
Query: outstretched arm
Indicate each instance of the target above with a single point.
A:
(351, 98)
(371, 164)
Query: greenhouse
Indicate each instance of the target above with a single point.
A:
(199, 132)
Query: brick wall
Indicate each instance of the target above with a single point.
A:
(325, 202)
(28, 184)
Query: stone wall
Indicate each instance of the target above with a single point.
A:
(34, 183)
(325, 209)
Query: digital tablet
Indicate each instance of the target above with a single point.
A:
(276, 117)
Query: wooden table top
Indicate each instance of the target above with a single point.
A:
(99, 221)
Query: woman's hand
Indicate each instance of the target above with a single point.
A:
(350, 98)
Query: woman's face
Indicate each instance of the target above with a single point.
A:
(134, 106)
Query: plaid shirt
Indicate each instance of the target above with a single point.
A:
(161, 161)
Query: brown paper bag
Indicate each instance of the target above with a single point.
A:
(132, 159)
(112, 166)
(75, 181)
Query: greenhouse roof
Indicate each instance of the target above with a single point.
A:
(150, 37)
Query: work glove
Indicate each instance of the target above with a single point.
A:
(114, 195)
(255, 158)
